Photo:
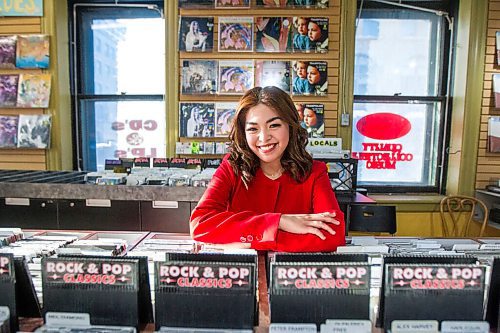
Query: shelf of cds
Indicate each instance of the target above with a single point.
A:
(170, 283)
(299, 54)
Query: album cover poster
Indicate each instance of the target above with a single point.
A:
(494, 135)
(224, 115)
(310, 34)
(33, 91)
(34, 131)
(309, 3)
(8, 51)
(496, 90)
(309, 78)
(312, 118)
(232, 4)
(8, 90)
(235, 77)
(497, 45)
(196, 120)
(196, 34)
(235, 34)
(8, 131)
(193, 4)
(273, 73)
(273, 34)
(274, 3)
(32, 51)
(199, 76)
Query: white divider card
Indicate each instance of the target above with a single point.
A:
(465, 327)
(415, 326)
(218, 288)
(200, 330)
(67, 319)
(8, 288)
(292, 328)
(433, 291)
(104, 287)
(346, 326)
(328, 290)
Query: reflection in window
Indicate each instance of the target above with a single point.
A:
(399, 102)
(126, 47)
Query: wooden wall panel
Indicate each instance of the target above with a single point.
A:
(21, 159)
(488, 164)
(332, 56)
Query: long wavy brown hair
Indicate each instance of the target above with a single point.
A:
(295, 159)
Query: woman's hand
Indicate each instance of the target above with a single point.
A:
(308, 223)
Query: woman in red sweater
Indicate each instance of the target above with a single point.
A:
(268, 193)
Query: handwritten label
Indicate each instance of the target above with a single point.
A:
(435, 277)
(21, 8)
(414, 326)
(292, 328)
(465, 327)
(300, 276)
(346, 326)
(78, 271)
(70, 319)
(207, 276)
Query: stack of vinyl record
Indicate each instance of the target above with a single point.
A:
(10, 235)
(95, 247)
(33, 249)
(155, 249)
(88, 329)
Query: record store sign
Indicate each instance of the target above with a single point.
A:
(21, 7)
(321, 277)
(96, 272)
(433, 277)
(205, 276)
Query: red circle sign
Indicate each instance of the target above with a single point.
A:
(384, 126)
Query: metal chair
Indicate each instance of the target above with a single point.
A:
(458, 211)
(373, 218)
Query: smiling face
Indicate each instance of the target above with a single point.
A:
(313, 31)
(267, 135)
(313, 75)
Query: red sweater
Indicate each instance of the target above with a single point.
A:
(229, 213)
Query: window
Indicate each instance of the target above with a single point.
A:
(400, 88)
(118, 81)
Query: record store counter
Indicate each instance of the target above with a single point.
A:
(71, 185)
(62, 200)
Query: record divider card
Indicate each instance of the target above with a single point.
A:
(332, 289)
(218, 289)
(433, 291)
(106, 288)
(8, 288)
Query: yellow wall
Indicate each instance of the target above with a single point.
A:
(472, 96)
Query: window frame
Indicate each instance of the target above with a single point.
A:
(81, 69)
(443, 94)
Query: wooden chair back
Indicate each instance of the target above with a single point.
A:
(458, 212)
